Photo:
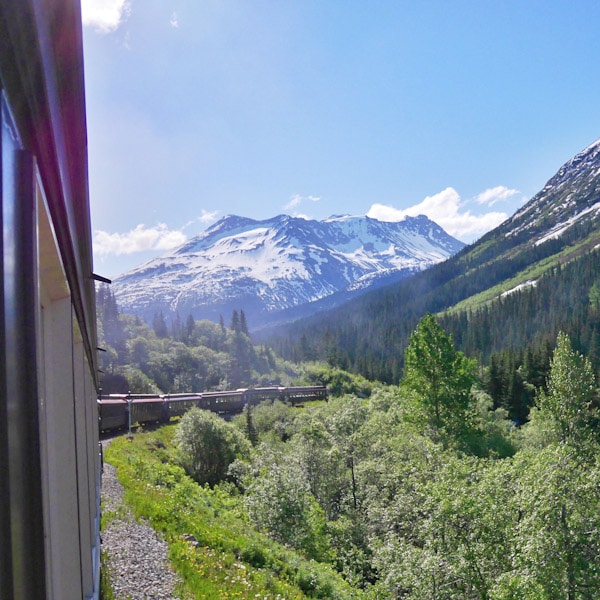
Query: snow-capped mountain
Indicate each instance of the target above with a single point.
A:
(570, 197)
(281, 264)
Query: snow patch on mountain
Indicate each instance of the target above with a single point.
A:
(525, 284)
(561, 227)
(268, 266)
(571, 196)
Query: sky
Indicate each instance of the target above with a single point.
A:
(457, 109)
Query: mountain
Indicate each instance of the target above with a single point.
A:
(514, 288)
(572, 196)
(282, 267)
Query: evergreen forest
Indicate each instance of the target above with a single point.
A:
(180, 356)
(505, 312)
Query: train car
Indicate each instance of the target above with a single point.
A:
(114, 410)
(298, 394)
(50, 471)
(259, 394)
(122, 411)
(112, 414)
(148, 410)
(226, 402)
(179, 404)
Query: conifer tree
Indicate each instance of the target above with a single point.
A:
(250, 429)
(235, 321)
(189, 328)
(243, 323)
(159, 324)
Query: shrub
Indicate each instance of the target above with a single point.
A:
(208, 445)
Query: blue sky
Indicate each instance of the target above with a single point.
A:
(196, 109)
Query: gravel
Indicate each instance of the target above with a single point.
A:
(137, 557)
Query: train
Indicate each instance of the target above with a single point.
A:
(122, 411)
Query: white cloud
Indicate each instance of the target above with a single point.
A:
(105, 15)
(208, 217)
(297, 199)
(492, 196)
(448, 211)
(140, 239)
(174, 22)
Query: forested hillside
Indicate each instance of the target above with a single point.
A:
(178, 355)
(507, 313)
(503, 298)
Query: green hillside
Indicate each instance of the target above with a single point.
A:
(510, 292)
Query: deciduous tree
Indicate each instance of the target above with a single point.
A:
(208, 445)
(439, 378)
(567, 406)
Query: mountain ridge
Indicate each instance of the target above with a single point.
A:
(282, 265)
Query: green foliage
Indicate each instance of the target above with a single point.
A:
(338, 381)
(353, 555)
(451, 541)
(594, 296)
(226, 557)
(413, 516)
(567, 406)
(279, 502)
(208, 445)
(513, 378)
(159, 324)
(556, 538)
(140, 382)
(439, 378)
(322, 469)
(194, 356)
(249, 428)
(106, 589)
(492, 433)
(405, 502)
(272, 420)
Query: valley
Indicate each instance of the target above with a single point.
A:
(458, 455)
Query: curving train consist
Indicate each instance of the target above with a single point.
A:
(120, 411)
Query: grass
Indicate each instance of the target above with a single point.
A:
(211, 545)
(106, 590)
(533, 272)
